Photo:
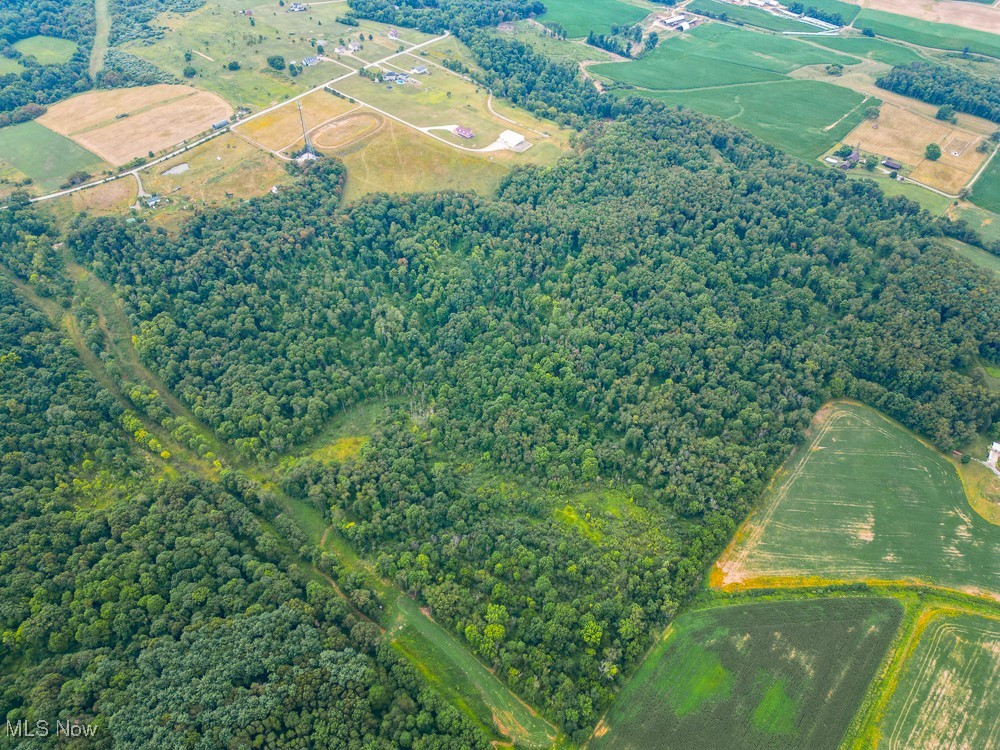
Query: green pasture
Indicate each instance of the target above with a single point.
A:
(847, 11)
(580, 18)
(986, 191)
(873, 49)
(750, 16)
(781, 675)
(717, 55)
(559, 50)
(802, 118)
(46, 157)
(927, 34)
(48, 50)
(987, 223)
(8, 65)
(930, 201)
(949, 692)
(864, 499)
(986, 261)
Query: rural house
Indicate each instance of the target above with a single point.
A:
(462, 132)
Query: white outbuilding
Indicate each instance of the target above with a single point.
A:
(511, 139)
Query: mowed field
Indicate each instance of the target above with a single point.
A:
(48, 50)
(986, 191)
(803, 118)
(880, 50)
(750, 15)
(903, 135)
(717, 55)
(580, 18)
(864, 499)
(928, 34)
(45, 156)
(159, 117)
(784, 675)
(948, 695)
(981, 15)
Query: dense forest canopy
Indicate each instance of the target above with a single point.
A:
(938, 84)
(665, 310)
(24, 94)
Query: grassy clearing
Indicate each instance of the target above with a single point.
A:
(779, 674)
(949, 692)
(9, 66)
(864, 499)
(930, 201)
(986, 261)
(559, 50)
(48, 50)
(717, 55)
(46, 157)
(927, 34)
(986, 191)
(803, 118)
(750, 16)
(987, 223)
(868, 48)
(579, 19)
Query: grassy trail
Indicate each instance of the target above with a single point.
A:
(102, 17)
(439, 656)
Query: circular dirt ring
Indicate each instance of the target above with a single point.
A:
(347, 130)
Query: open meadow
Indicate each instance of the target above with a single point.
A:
(579, 19)
(864, 499)
(717, 55)
(948, 695)
(980, 15)
(281, 129)
(45, 156)
(48, 50)
(539, 38)
(880, 50)
(122, 124)
(781, 675)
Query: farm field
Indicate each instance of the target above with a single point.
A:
(903, 135)
(927, 34)
(948, 695)
(985, 222)
(159, 117)
(715, 55)
(781, 675)
(981, 15)
(45, 156)
(803, 118)
(579, 19)
(282, 128)
(48, 50)
(868, 48)
(864, 499)
(750, 16)
(986, 191)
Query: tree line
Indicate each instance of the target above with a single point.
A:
(938, 84)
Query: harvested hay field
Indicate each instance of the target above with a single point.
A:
(159, 117)
(782, 675)
(864, 499)
(903, 135)
(948, 695)
(971, 15)
(282, 129)
(347, 130)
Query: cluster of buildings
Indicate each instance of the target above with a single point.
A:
(390, 76)
(677, 23)
(765, 3)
